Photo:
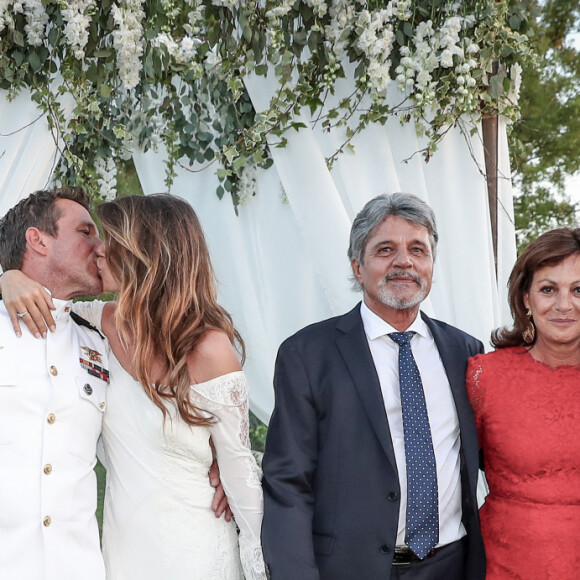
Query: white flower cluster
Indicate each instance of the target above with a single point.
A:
(516, 78)
(342, 18)
(416, 66)
(247, 184)
(319, 7)
(6, 20)
(225, 3)
(107, 171)
(212, 59)
(431, 49)
(195, 24)
(128, 40)
(402, 9)
(77, 16)
(375, 40)
(36, 21)
(183, 50)
(276, 12)
(36, 18)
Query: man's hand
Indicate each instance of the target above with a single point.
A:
(220, 502)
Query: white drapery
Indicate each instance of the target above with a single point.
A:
(28, 150)
(281, 264)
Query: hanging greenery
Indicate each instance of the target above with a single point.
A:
(171, 74)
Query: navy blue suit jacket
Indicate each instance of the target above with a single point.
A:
(331, 486)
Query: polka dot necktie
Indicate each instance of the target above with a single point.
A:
(422, 498)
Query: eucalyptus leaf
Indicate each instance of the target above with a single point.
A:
(34, 61)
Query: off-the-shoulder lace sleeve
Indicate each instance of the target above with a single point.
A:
(226, 397)
(91, 310)
(476, 390)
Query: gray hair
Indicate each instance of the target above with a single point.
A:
(405, 205)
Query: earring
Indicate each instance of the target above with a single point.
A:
(530, 332)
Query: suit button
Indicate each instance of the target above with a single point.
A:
(88, 389)
(47, 469)
(46, 521)
(51, 418)
(102, 405)
(393, 496)
(53, 371)
(385, 549)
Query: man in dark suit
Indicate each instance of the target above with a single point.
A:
(371, 459)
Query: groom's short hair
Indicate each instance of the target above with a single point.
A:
(38, 210)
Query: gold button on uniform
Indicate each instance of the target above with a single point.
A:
(46, 521)
(47, 469)
(102, 405)
(53, 371)
(51, 418)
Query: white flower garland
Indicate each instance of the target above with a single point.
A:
(189, 74)
(107, 177)
(35, 14)
(128, 40)
(78, 17)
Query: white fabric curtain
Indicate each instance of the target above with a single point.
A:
(28, 149)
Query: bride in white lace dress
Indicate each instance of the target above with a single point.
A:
(167, 332)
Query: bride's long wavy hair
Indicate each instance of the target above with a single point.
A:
(167, 300)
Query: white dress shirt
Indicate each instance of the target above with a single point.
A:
(52, 399)
(440, 408)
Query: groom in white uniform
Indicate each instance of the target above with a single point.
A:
(52, 398)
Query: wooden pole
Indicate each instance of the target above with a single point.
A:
(490, 140)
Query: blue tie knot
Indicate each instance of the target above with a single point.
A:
(402, 338)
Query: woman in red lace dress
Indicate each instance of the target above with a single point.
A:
(526, 398)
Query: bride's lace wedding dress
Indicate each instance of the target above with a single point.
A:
(158, 523)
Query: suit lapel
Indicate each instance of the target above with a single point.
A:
(454, 357)
(353, 346)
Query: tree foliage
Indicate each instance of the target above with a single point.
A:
(546, 140)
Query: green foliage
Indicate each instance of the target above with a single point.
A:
(538, 211)
(544, 143)
(258, 432)
(171, 74)
(127, 179)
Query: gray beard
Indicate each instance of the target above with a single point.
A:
(386, 297)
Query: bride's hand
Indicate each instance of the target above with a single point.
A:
(27, 301)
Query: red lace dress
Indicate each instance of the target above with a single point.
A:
(528, 420)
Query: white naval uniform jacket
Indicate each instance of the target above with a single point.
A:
(52, 400)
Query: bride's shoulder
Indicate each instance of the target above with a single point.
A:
(213, 356)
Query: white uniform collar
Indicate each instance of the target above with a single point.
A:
(62, 313)
(375, 326)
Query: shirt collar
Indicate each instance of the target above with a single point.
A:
(376, 327)
(62, 313)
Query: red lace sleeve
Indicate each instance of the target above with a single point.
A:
(476, 391)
